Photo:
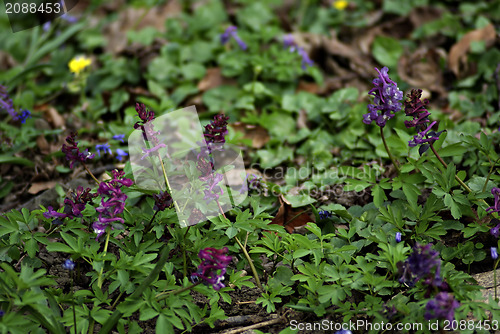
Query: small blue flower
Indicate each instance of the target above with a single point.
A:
(494, 254)
(68, 265)
(120, 154)
(2, 313)
(103, 147)
(398, 236)
(25, 114)
(232, 31)
(119, 137)
(324, 214)
(306, 61)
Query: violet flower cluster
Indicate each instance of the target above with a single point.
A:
(324, 214)
(73, 206)
(289, 43)
(387, 99)
(73, 153)
(232, 32)
(213, 267)
(424, 264)
(7, 105)
(112, 202)
(415, 107)
(146, 125)
(495, 231)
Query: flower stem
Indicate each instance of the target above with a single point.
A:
(388, 151)
(247, 256)
(100, 279)
(163, 295)
(446, 166)
(90, 173)
(169, 188)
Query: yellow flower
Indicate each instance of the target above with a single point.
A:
(77, 64)
(340, 4)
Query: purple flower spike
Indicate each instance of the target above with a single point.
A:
(424, 262)
(496, 207)
(387, 99)
(441, 307)
(73, 153)
(212, 189)
(6, 102)
(232, 31)
(216, 130)
(425, 136)
(415, 107)
(213, 267)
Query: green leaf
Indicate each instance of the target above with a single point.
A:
(232, 232)
(457, 149)
(387, 50)
(7, 159)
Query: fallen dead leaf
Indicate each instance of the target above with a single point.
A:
(256, 133)
(42, 144)
(213, 78)
(54, 118)
(291, 218)
(39, 186)
(458, 52)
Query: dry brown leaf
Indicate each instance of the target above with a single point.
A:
(54, 118)
(213, 78)
(256, 133)
(39, 186)
(458, 52)
(302, 119)
(42, 144)
(291, 218)
(421, 68)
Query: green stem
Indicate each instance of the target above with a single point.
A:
(388, 151)
(495, 278)
(184, 255)
(168, 186)
(100, 279)
(247, 256)
(164, 295)
(489, 174)
(446, 166)
(90, 173)
(74, 311)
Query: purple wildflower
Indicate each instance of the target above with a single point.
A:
(52, 214)
(25, 114)
(68, 265)
(441, 307)
(398, 237)
(495, 231)
(73, 153)
(119, 137)
(425, 136)
(324, 214)
(213, 267)
(149, 134)
(387, 99)
(75, 204)
(112, 202)
(306, 61)
(162, 200)
(494, 253)
(289, 43)
(232, 31)
(420, 264)
(2, 312)
(216, 130)
(496, 207)
(120, 154)
(6, 103)
(415, 107)
(104, 148)
(212, 190)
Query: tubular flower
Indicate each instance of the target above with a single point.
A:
(496, 207)
(414, 107)
(398, 237)
(494, 253)
(289, 43)
(75, 203)
(213, 267)
(119, 137)
(324, 214)
(68, 265)
(425, 136)
(420, 264)
(148, 133)
(104, 148)
(216, 131)
(212, 189)
(441, 307)
(73, 153)
(387, 99)
(232, 31)
(112, 202)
